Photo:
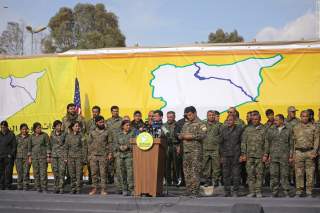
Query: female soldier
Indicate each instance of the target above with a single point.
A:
(22, 163)
(124, 161)
(39, 155)
(75, 146)
(58, 154)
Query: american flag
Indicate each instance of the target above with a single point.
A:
(77, 100)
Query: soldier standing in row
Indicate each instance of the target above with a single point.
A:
(99, 150)
(113, 125)
(268, 125)
(39, 154)
(279, 146)
(22, 163)
(71, 117)
(211, 155)
(76, 152)
(230, 147)
(192, 134)
(306, 145)
(124, 161)
(137, 125)
(171, 154)
(252, 149)
(58, 156)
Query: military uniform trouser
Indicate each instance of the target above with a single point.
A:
(304, 165)
(5, 172)
(254, 169)
(40, 167)
(98, 166)
(125, 164)
(192, 169)
(211, 168)
(117, 180)
(59, 171)
(231, 172)
(75, 167)
(171, 164)
(279, 174)
(23, 170)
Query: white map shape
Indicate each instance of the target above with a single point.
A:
(17, 93)
(209, 87)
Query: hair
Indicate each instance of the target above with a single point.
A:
(56, 123)
(99, 118)
(70, 105)
(171, 112)
(114, 107)
(24, 125)
(216, 112)
(269, 112)
(35, 125)
(255, 112)
(231, 116)
(158, 112)
(210, 111)
(4, 123)
(74, 123)
(124, 122)
(137, 112)
(280, 116)
(190, 109)
(96, 107)
(305, 111)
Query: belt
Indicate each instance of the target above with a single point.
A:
(304, 149)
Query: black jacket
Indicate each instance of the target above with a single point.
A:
(231, 141)
(8, 145)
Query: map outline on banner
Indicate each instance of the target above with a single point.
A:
(29, 94)
(165, 103)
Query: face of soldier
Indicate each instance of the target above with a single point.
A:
(291, 114)
(72, 110)
(157, 117)
(95, 113)
(126, 127)
(278, 122)
(150, 116)
(100, 124)
(255, 120)
(191, 116)
(217, 118)
(76, 128)
(38, 130)
(248, 117)
(4, 129)
(270, 117)
(304, 117)
(232, 111)
(210, 117)
(115, 113)
(24, 130)
(137, 117)
(170, 118)
(230, 121)
(58, 128)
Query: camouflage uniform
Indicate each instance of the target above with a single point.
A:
(252, 145)
(76, 151)
(114, 126)
(306, 142)
(192, 152)
(68, 119)
(290, 124)
(136, 126)
(279, 146)
(266, 166)
(39, 150)
(171, 153)
(58, 156)
(90, 126)
(98, 149)
(22, 164)
(211, 169)
(124, 160)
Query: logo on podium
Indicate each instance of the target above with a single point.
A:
(144, 141)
